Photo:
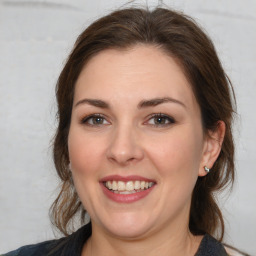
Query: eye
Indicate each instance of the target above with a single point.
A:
(94, 120)
(160, 120)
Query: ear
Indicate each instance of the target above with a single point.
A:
(212, 147)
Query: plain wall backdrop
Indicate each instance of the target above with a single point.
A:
(35, 38)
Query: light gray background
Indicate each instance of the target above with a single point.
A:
(35, 38)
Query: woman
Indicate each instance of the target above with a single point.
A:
(144, 139)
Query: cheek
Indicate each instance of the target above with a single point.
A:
(177, 162)
(84, 152)
(177, 153)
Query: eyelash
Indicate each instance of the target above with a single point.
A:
(85, 120)
(163, 116)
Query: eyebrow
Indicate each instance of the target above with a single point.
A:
(93, 102)
(142, 104)
(158, 101)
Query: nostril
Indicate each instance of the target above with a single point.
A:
(123, 147)
(121, 159)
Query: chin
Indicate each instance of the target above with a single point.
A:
(128, 232)
(128, 226)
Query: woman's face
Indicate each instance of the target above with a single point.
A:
(136, 142)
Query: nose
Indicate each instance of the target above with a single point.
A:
(124, 146)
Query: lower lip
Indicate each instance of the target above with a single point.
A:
(129, 198)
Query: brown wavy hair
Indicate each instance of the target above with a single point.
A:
(180, 37)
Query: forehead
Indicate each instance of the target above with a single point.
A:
(138, 72)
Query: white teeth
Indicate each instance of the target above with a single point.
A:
(127, 192)
(109, 184)
(128, 187)
(114, 185)
(137, 184)
(142, 185)
(120, 186)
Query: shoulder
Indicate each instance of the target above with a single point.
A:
(66, 246)
(211, 247)
(233, 251)
(33, 249)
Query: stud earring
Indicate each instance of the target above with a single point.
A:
(206, 169)
(69, 167)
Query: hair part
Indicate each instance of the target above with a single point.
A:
(180, 37)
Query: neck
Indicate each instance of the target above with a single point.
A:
(178, 243)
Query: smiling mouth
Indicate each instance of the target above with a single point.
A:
(129, 187)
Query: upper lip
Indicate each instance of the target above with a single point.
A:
(126, 178)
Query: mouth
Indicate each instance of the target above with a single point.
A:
(128, 187)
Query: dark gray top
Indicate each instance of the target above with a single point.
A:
(73, 245)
